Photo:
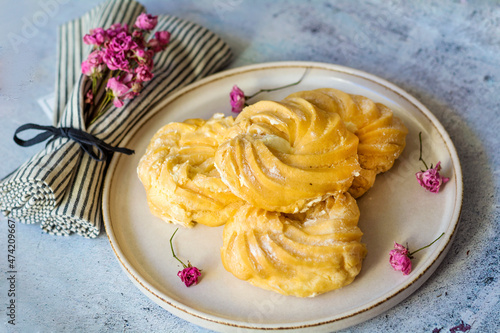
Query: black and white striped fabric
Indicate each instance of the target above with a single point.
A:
(61, 186)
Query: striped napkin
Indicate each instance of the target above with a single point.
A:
(61, 186)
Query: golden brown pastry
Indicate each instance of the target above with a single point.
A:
(285, 156)
(283, 176)
(178, 173)
(381, 135)
(302, 254)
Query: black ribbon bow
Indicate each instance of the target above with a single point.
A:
(86, 140)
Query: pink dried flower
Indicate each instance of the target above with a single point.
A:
(143, 74)
(121, 42)
(94, 64)
(140, 54)
(87, 68)
(89, 97)
(90, 69)
(400, 258)
(118, 102)
(137, 34)
(154, 45)
(189, 274)
(146, 21)
(160, 42)
(133, 83)
(97, 37)
(430, 179)
(462, 327)
(163, 37)
(127, 79)
(130, 95)
(95, 57)
(135, 89)
(115, 29)
(115, 60)
(144, 58)
(148, 60)
(237, 99)
(118, 89)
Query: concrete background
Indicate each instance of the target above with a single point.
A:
(445, 53)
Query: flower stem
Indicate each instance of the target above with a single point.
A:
(94, 85)
(420, 158)
(283, 87)
(104, 103)
(411, 254)
(102, 108)
(172, 248)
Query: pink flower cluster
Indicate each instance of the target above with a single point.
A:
(430, 179)
(127, 54)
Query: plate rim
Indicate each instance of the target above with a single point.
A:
(402, 293)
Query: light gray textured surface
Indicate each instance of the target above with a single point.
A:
(445, 53)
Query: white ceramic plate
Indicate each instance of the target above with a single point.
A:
(395, 209)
